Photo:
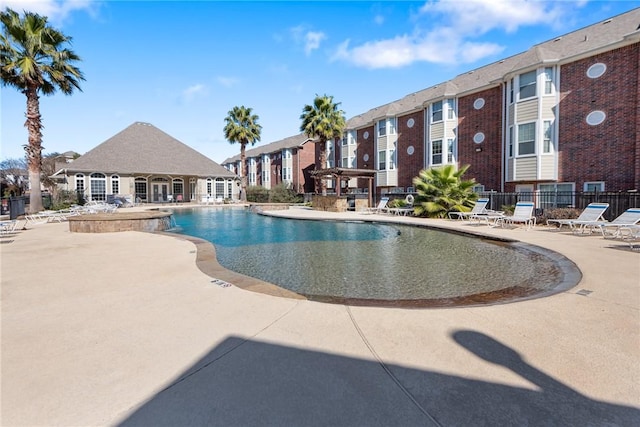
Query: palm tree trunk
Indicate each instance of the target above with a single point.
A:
(243, 175)
(323, 165)
(34, 149)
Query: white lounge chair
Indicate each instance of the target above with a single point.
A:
(593, 212)
(479, 208)
(9, 226)
(405, 210)
(523, 213)
(629, 218)
(631, 235)
(380, 208)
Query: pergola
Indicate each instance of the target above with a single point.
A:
(345, 174)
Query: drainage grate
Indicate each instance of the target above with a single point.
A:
(584, 292)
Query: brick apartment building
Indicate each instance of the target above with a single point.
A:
(562, 116)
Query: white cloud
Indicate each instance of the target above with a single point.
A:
(456, 38)
(194, 91)
(312, 41)
(309, 39)
(227, 81)
(56, 10)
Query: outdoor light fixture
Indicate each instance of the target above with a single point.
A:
(478, 149)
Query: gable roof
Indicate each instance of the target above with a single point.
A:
(145, 149)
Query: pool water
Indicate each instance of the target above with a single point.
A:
(344, 261)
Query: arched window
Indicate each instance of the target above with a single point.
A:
(209, 186)
(178, 188)
(115, 184)
(219, 187)
(98, 186)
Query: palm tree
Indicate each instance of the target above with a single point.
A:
(323, 120)
(33, 59)
(441, 190)
(242, 127)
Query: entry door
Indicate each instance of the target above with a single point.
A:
(160, 192)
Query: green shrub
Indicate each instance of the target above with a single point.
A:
(281, 194)
(257, 194)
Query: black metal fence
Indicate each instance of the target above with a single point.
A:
(618, 201)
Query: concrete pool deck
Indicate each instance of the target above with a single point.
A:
(125, 329)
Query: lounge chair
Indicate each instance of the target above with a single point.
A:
(630, 234)
(629, 218)
(407, 209)
(478, 208)
(9, 226)
(523, 213)
(380, 208)
(593, 212)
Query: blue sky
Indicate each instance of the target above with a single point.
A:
(182, 65)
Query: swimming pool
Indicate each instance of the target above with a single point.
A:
(373, 263)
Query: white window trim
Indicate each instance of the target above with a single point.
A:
(586, 184)
(517, 139)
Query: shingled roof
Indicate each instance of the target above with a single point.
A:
(142, 148)
(273, 147)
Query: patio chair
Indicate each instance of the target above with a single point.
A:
(405, 210)
(629, 218)
(523, 213)
(593, 212)
(478, 208)
(9, 226)
(631, 235)
(380, 208)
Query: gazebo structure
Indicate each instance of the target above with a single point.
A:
(338, 202)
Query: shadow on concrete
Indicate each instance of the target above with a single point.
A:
(250, 383)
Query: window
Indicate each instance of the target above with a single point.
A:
(511, 91)
(436, 112)
(547, 146)
(548, 80)
(345, 161)
(594, 186)
(527, 84)
(382, 160)
(526, 139)
(450, 151)
(209, 186)
(450, 109)
(287, 153)
(178, 187)
(286, 174)
(392, 125)
(192, 188)
(436, 152)
(141, 188)
(229, 189)
(98, 186)
(392, 158)
(80, 183)
(115, 184)
(478, 188)
(510, 141)
(382, 128)
(219, 187)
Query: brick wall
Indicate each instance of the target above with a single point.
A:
(303, 164)
(609, 151)
(410, 165)
(365, 146)
(484, 166)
